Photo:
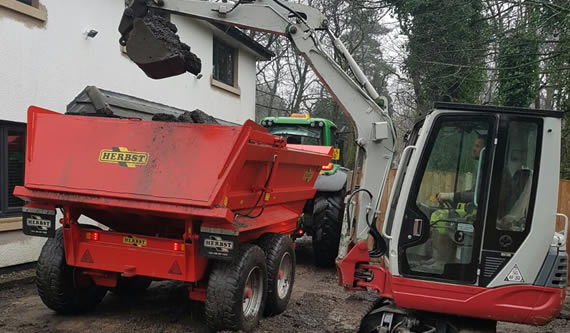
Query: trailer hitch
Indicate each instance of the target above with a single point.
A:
(152, 43)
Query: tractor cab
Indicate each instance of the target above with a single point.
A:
(304, 130)
(322, 215)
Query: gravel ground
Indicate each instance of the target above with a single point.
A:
(318, 304)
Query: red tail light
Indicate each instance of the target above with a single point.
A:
(92, 236)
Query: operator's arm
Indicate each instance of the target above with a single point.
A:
(466, 196)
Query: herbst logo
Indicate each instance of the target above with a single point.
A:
(308, 175)
(139, 242)
(123, 157)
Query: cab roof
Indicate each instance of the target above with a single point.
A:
(497, 109)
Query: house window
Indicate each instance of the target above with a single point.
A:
(12, 161)
(225, 65)
(30, 8)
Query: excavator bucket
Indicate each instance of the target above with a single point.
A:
(152, 44)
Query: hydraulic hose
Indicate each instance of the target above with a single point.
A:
(379, 247)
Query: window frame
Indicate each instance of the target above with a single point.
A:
(234, 87)
(34, 10)
(5, 127)
(412, 211)
(492, 233)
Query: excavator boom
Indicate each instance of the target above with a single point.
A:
(488, 251)
(152, 43)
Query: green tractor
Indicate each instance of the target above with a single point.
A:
(322, 216)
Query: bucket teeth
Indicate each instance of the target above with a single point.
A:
(154, 46)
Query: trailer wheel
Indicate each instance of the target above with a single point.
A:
(280, 271)
(60, 286)
(236, 291)
(131, 286)
(327, 223)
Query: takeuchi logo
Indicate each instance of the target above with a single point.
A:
(123, 157)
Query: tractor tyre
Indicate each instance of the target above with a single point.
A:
(236, 292)
(281, 259)
(131, 286)
(327, 223)
(61, 287)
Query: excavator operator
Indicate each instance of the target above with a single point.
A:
(465, 196)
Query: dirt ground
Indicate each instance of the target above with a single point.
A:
(318, 304)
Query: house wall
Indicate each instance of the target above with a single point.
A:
(17, 248)
(47, 63)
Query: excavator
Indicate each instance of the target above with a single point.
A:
(469, 236)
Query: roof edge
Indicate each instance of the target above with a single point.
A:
(496, 108)
(247, 41)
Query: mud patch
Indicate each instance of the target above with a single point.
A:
(17, 276)
(317, 304)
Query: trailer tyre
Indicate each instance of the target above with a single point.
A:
(327, 220)
(280, 271)
(236, 291)
(59, 286)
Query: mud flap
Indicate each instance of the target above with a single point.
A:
(218, 244)
(38, 222)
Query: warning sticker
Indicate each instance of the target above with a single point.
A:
(515, 275)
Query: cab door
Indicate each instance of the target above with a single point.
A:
(442, 228)
(512, 195)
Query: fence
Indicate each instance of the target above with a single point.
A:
(563, 199)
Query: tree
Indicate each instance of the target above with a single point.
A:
(291, 80)
(518, 63)
(446, 48)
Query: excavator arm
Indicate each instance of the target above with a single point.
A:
(152, 43)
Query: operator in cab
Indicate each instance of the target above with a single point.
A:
(466, 196)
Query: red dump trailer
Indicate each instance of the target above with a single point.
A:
(209, 205)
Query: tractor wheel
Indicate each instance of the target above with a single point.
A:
(61, 287)
(327, 222)
(131, 286)
(236, 291)
(280, 271)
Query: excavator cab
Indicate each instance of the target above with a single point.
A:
(471, 201)
(468, 230)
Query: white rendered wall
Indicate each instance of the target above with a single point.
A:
(17, 248)
(48, 63)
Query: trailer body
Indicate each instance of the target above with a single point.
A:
(171, 196)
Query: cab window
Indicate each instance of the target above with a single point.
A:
(444, 212)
